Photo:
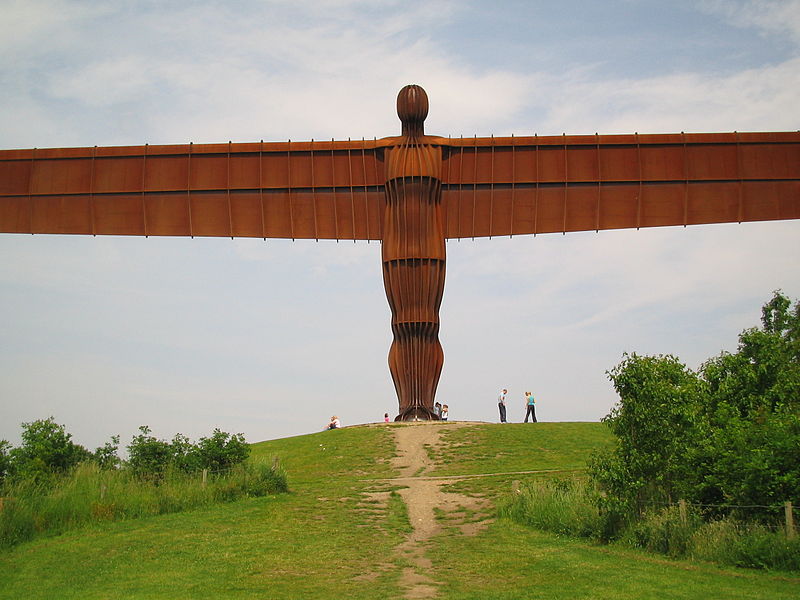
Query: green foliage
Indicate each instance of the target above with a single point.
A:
(47, 449)
(753, 413)
(106, 455)
(725, 438)
(560, 506)
(221, 450)
(151, 457)
(664, 531)
(733, 542)
(5, 460)
(316, 543)
(89, 494)
(656, 421)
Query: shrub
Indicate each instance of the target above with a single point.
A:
(106, 455)
(150, 457)
(221, 451)
(46, 449)
(147, 455)
(5, 460)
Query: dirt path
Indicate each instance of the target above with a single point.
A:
(422, 496)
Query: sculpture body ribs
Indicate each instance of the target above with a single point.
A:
(411, 192)
(413, 254)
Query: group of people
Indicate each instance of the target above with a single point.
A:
(530, 403)
(442, 412)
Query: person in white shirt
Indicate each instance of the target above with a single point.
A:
(501, 404)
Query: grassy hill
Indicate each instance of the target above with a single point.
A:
(337, 533)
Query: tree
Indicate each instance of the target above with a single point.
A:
(46, 449)
(147, 455)
(221, 450)
(655, 422)
(726, 435)
(5, 460)
(106, 455)
(753, 411)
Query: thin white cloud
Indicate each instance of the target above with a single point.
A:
(772, 17)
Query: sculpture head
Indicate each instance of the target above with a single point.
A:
(412, 108)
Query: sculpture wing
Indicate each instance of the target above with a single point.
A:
(509, 186)
(312, 190)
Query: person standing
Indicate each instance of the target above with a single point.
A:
(501, 404)
(531, 403)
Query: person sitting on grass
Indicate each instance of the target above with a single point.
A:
(335, 423)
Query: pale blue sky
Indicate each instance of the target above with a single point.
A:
(271, 338)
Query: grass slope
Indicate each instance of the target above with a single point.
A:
(327, 539)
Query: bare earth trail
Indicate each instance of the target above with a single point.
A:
(415, 445)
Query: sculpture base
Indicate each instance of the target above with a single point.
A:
(417, 413)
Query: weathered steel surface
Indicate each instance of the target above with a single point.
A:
(334, 190)
(510, 186)
(301, 190)
(412, 191)
(413, 253)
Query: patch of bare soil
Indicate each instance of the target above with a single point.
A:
(415, 443)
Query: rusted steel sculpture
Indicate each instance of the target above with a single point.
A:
(412, 192)
(414, 257)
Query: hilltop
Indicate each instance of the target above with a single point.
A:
(377, 511)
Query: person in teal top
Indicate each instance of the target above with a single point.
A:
(531, 407)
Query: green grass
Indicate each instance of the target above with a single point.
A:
(89, 494)
(521, 447)
(328, 539)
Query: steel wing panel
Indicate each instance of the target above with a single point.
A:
(510, 186)
(311, 190)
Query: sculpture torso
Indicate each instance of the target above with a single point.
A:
(413, 254)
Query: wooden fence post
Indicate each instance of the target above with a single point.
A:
(682, 511)
(515, 486)
(790, 531)
(102, 491)
(205, 476)
(275, 463)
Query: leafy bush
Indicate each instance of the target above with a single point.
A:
(151, 457)
(5, 460)
(147, 455)
(46, 449)
(725, 435)
(106, 455)
(724, 438)
(221, 451)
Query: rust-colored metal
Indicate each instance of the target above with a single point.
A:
(412, 191)
(413, 254)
